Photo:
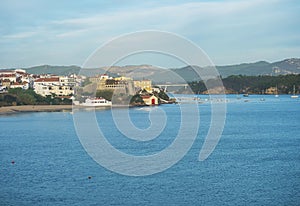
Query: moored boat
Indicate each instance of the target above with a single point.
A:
(294, 96)
(96, 102)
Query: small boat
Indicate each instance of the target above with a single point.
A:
(96, 102)
(245, 95)
(294, 96)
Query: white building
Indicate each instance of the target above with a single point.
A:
(67, 81)
(23, 85)
(150, 99)
(16, 78)
(10, 77)
(50, 86)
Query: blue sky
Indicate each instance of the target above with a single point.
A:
(36, 32)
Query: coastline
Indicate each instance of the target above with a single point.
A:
(33, 108)
(52, 108)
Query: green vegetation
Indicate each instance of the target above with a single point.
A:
(137, 100)
(19, 96)
(120, 98)
(86, 82)
(106, 94)
(58, 70)
(162, 95)
(254, 84)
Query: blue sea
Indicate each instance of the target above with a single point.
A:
(256, 162)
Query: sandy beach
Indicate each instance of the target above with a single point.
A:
(33, 108)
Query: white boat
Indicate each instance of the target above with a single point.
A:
(96, 102)
(276, 92)
(294, 96)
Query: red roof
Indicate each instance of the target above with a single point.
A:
(16, 83)
(55, 79)
(7, 75)
(6, 70)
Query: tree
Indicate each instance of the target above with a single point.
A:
(26, 99)
(163, 95)
(106, 94)
(137, 99)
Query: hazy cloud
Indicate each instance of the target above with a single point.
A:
(229, 31)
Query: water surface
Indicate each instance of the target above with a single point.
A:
(257, 161)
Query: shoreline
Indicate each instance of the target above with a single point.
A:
(33, 108)
(6, 110)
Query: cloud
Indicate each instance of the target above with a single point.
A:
(21, 35)
(72, 33)
(226, 30)
(168, 16)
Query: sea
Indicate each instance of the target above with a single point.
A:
(255, 162)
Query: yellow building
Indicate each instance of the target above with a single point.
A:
(123, 78)
(99, 78)
(143, 84)
(6, 83)
(122, 84)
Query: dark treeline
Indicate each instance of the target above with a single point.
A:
(19, 96)
(254, 84)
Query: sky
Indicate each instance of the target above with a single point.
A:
(61, 32)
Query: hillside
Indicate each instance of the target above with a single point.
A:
(178, 75)
(287, 66)
(48, 69)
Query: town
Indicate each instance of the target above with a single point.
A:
(62, 88)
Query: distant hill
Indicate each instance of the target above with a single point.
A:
(249, 69)
(48, 69)
(185, 74)
(287, 66)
